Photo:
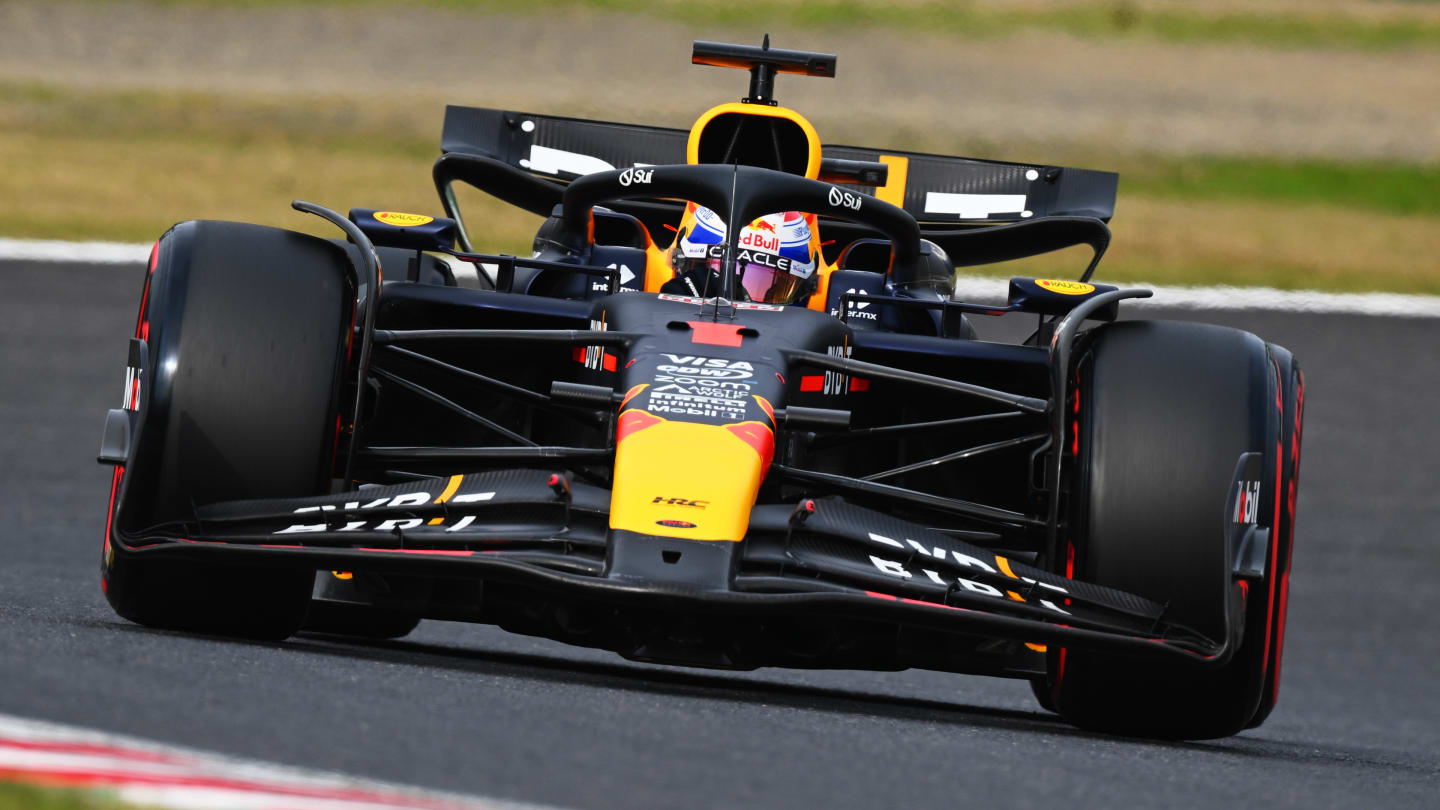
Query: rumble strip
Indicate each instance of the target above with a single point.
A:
(155, 775)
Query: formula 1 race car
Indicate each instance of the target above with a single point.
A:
(691, 431)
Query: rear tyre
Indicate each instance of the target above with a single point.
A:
(1166, 411)
(246, 330)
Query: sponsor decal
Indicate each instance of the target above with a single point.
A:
(974, 206)
(677, 524)
(693, 250)
(752, 257)
(718, 386)
(1063, 287)
(844, 199)
(750, 305)
(594, 356)
(687, 502)
(560, 162)
(709, 219)
(682, 405)
(856, 309)
(413, 499)
(626, 276)
(131, 401)
(836, 383)
(388, 525)
(1247, 502)
(755, 239)
(708, 367)
(636, 176)
(917, 551)
(699, 397)
(703, 391)
(402, 220)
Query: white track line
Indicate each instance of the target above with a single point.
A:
(42, 250)
(979, 289)
(988, 290)
(167, 776)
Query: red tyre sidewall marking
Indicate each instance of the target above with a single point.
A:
(1274, 524)
(1291, 496)
(142, 331)
(1069, 541)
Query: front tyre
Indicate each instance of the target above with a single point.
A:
(1292, 390)
(246, 330)
(1166, 411)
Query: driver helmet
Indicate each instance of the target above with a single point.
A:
(775, 260)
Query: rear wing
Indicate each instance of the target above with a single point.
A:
(935, 189)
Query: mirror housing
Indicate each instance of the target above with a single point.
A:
(1051, 296)
(401, 230)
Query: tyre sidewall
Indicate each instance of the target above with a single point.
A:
(246, 330)
(1166, 411)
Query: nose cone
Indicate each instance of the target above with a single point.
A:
(689, 480)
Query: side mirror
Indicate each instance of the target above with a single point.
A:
(400, 230)
(1051, 296)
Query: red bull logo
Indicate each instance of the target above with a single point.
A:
(763, 225)
(751, 238)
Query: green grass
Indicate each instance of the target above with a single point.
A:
(1390, 187)
(18, 796)
(1295, 26)
(384, 132)
(124, 165)
(219, 120)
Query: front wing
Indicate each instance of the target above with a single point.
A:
(547, 532)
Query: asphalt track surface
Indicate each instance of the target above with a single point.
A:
(475, 710)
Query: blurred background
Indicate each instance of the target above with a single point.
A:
(1287, 143)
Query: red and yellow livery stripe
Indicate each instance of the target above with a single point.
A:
(687, 480)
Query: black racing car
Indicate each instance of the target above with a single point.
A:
(600, 446)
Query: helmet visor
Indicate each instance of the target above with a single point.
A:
(758, 282)
(766, 284)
